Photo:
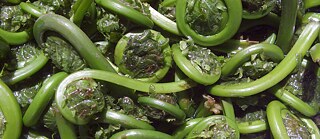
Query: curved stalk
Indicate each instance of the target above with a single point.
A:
(163, 22)
(185, 129)
(128, 12)
(161, 105)
(27, 71)
(234, 9)
(285, 67)
(252, 126)
(31, 9)
(42, 99)
(115, 79)
(270, 50)
(293, 101)
(15, 38)
(312, 126)
(219, 124)
(80, 10)
(79, 40)
(65, 128)
(275, 121)
(116, 118)
(11, 111)
(71, 32)
(191, 71)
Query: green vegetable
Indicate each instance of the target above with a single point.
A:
(164, 22)
(184, 129)
(28, 61)
(60, 24)
(31, 9)
(145, 56)
(126, 11)
(267, 50)
(253, 122)
(285, 67)
(284, 124)
(15, 38)
(198, 63)
(13, 19)
(146, 69)
(79, 9)
(12, 113)
(185, 10)
(217, 126)
(82, 43)
(126, 121)
(172, 109)
(42, 99)
(81, 100)
(300, 89)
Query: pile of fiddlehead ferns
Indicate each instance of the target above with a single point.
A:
(163, 69)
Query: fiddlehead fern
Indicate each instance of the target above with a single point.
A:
(81, 100)
(253, 122)
(125, 114)
(311, 31)
(14, 25)
(185, 128)
(194, 19)
(145, 55)
(285, 124)
(27, 61)
(299, 90)
(216, 126)
(198, 63)
(162, 107)
(268, 51)
(13, 19)
(129, 10)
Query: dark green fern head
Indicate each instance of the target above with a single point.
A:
(63, 55)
